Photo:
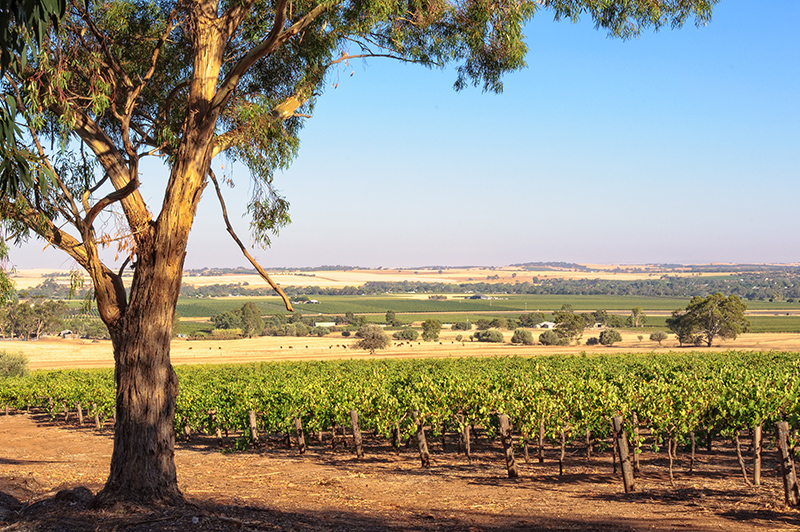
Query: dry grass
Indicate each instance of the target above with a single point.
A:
(55, 353)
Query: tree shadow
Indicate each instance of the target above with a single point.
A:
(72, 511)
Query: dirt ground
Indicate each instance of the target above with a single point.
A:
(57, 353)
(48, 471)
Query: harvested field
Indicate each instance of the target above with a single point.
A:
(55, 353)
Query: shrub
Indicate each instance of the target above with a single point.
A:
(462, 326)
(550, 337)
(430, 330)
(320, 331)
(522, 336)
(610, 336)
(372, 337)
(345, 333)
(592, 341)
(658, 336)
(406, 333)
(491, 335)
(13, 364)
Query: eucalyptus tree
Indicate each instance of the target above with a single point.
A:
(119, 81)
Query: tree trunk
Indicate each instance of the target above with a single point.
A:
(143, 459)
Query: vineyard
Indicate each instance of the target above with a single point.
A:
(675, 400)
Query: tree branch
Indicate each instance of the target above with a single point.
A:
(276, 38)
(253, 261)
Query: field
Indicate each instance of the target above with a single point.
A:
(55, 353)
(272, 487)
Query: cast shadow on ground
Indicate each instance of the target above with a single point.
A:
(71, 511)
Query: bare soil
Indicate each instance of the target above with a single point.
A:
(49, 471)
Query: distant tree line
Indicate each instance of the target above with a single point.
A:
(781, 284)
(784, 285)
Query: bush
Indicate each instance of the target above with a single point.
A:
(522, 336)
(462, 326)
(372, 337)
(610, 336)
(13, 364)
(492, 335)
(430, 330)
(345, 333)
(406, 333)
(550, 337)
(320, 331)
(658, 336)
(592, 341)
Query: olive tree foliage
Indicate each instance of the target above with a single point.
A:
(658, 336)
(522, 336)
(609, 337)
(372, 337)
(119, 81)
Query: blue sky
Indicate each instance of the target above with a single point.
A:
(681, 146)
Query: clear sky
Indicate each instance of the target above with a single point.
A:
(680, 147)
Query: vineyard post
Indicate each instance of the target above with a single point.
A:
(465, 437)
(356, 434)
(756, 443)
(526, 451)
(636, 446)
(563, 451)
(614, 446)
(251, 416)
(301, 440)
(790, 489)
(507, 439)
(541, 442)
(621, 443)
(66, 411)
(97, 424)
(6, 408)
(422, 443)
(694, 448)
(80, 413)
(588, 444)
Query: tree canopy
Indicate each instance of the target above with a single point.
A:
(120, 81)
